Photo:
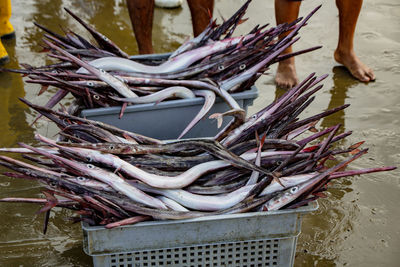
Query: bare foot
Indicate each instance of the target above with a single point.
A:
(358, 69)
(286, 76)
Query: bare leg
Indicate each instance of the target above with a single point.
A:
(286, 11)
(141, 13)
(200, 10)
(344, 53)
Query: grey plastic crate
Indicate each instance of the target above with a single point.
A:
(168, 119)
(248, 239)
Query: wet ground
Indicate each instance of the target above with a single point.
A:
(357, 225)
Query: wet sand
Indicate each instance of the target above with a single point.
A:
(357, 225)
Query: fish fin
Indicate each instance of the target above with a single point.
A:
(354, 151)
(264, 208)
(43, 89)
(128, 137)
(209, 13)
(46, 221)
(310, 149)
(240, 44)
(276, 178)
(355, 148)
(356, 145)
(124, 105)
(218, 117)
(320, 195)
(117, 169)
(242, 21)
(263, 141)
(257, 138)
(51, 203)
(313, 129)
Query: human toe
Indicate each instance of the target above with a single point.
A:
(371, 74)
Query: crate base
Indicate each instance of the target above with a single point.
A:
(269, 252)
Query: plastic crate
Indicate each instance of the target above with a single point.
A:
(247, 239)
(168, 119)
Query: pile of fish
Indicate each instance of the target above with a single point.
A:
(212, 64)
(272, 160)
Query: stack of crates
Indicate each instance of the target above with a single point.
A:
(247, 239)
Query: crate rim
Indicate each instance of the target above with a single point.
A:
(252, 93)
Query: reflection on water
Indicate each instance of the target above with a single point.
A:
(324, 231)
(342, 82)
(333, 222)
(13, 123)
(21, 240)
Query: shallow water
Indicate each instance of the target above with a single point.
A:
(357, 225)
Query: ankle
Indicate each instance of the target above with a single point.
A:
(287, 63)
(341, 53)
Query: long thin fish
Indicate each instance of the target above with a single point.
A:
(102, 40)
(294, 192)
(115, 83)
(109, 178)
(209, 100)
(170, 92)
(177, 63)
(116, 162)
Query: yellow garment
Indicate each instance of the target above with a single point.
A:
(6, 29)
(3, 54)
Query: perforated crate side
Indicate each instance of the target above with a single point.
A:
(168, 119)
(269, 252)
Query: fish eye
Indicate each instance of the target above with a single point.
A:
(52, 183)
(111, 147)
(254, 116)
(220, 67)
(242, 67)
(89, 159)
(90, 166)
(90, 83)
(279, 162)
(102, 71)
(80, 178)
(293, 189)
(96, 97)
